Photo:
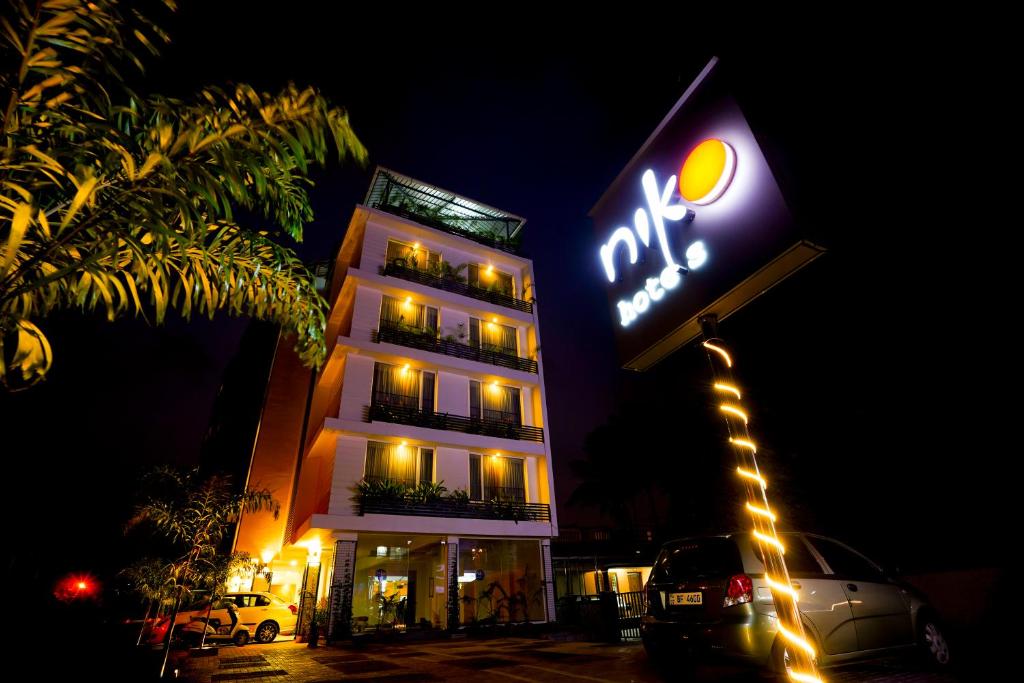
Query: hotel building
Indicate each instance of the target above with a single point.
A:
(414, 469)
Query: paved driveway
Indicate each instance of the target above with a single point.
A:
(501, 659)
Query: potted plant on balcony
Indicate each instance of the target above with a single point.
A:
(459, 498)
(427, 492)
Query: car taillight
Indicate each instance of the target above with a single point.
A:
(294, 609)
(740, 590)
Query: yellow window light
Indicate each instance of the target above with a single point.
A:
(780, 587)
(744, 443)
(733, 410)
(763, 512)
(728, 388)
(752, 475)
(797, 641)
(770, 540)
(720, 351)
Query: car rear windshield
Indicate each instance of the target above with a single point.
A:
(697, 558)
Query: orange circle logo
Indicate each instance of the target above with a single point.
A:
(707, 171)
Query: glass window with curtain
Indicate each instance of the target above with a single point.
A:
(497, 478)
(502, 404)
(392, 462)
(408, 315)
(486, 277)
(408, 255)
(492, 336)
(395, 385)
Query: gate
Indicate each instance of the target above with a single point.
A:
(632, 606)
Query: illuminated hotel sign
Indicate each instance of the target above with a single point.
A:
(694, 224)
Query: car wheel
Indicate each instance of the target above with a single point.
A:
(241, 638)
(781, 660)
(266, 632)
(933, 643)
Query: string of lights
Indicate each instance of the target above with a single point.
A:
(801, 667)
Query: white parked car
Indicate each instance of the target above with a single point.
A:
(265, 614)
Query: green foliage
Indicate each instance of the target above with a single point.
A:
(149, 579)
(381, 489)
(195, 514)
(423, 493)
(426, 492)
(122, 203)
(505, 509)
(445, 270)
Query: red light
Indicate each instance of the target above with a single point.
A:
(294, 609)
(75, 587)
(739, 591)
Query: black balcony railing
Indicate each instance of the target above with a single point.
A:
(396, 400)
(505, 493)
(496, 509)
(427, 341)
(450, 285)
(384, 411)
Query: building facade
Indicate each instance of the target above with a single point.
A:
(414, 470)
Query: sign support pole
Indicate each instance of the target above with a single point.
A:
(800, 665)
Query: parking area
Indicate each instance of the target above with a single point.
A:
(500, 659)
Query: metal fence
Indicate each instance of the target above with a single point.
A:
(450, 285)
(608, 617)
(415, 417)
(632, 605)
(428, 342)
(498, 509)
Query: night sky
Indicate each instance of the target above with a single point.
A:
(876, 374)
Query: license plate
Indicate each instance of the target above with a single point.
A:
(686, 598)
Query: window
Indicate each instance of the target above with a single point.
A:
(843, 561)
(412, 256)
(492, 336)
(426, 473)
(799, 560)
(487, 277)
(427, 392)
(635, 580)
(407, 315)
(495, 403)
(403, 387)
(408, 465)
(262, 601)
(474, 400)
(476, 490)
(496, 477)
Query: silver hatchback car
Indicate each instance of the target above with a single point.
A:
(707, 597)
